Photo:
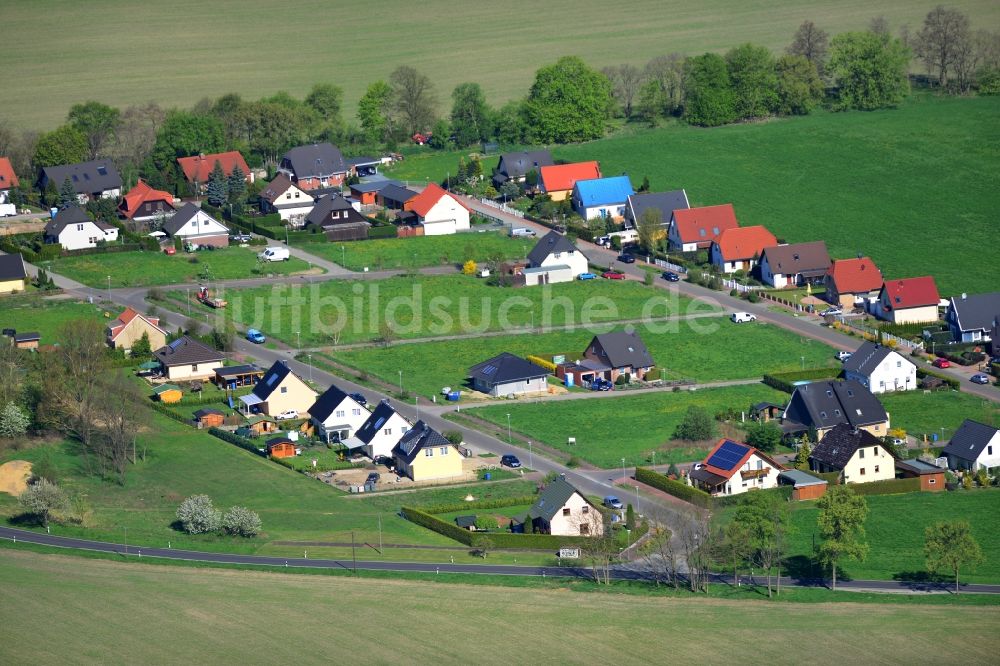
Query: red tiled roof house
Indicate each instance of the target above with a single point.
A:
(558, 180)
(692, 229)
(143, 203)
(130, 326)
(740, 248)
(849, 281)
(8, 180)
(908, 301)
(438, 211)
(197, 168)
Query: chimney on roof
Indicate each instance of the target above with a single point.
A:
(964, 295)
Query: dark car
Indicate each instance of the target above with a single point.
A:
(510, 460)
(601, 385)
(241, 238)
(626, 258)
(670, 276)
(373, 478)
(358, 398)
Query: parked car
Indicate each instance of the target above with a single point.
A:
(844, 355)
(241, 238)
(358, 398)
(626, 258)
(287, 415)
(510, 460)
(742, 317)
(275, 254)
(601, 385)
(613, 275)
(613, 502)
(170, 251)
(670, 276)
(373, 478)
(255, 336)
(980, 378)
(586, 276)
(941, 363)
(603, 241)
(836, 312)
(522, 232)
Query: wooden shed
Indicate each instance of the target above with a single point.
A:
(805, 486)
(27, 340)
(931, 476)
(280, 447)
(209, 418)
(261, 424)
(168, 393)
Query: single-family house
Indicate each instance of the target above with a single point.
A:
(337, 416)
(562, 510)
(739, 249)
(235, 376)
(285, 198)
(515, 166)
(394, 197)
(553, 259)
(439, 211)
(143, 203)
(8, 180)
(129, 327)
(508, 375)
(692, 229)
(558, 180)
(858, 455)
(279, 390)
(187, 358)
(602, 197)
(97, 179)
(74, 230)
(974, 446)
(805, 486)
(794, 264)
(821, 406)
(338, 219)
(424, 454)
(198, 168)
(168, 393)
(314, 166)
(852, 281)
(663, 203)
(196, 227)
(908, 301)
(931, 476)
(280, 447)
(620, 353)
(881, 369)
(732, 468)
(971, 317)
(27, 340)
(13, 275)
(209, 417)
(380, 432)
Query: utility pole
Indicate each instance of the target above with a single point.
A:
(354, 554)
(380, 534)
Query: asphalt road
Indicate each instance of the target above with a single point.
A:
(617, 572)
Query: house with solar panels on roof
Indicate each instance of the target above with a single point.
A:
(732, 468)
(380, 432)
(424, 454)
(507, 375)
(337, 416)
(279, 390)
(186, 358)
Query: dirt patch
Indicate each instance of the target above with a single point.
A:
(14, 477)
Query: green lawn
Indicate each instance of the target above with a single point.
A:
(922, 413)
(146, 269)
(705, 350)
(426, 306)
(884, 175)
(386, 253)
(92, 611)
(630, 427)
(48, 316)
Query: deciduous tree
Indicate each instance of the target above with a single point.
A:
(326, 100)
(63, 145)
(414, 98)
(375, 111)
(14, 421)
(568, 102)
(43, 498)
(197, 515)
(870, 71)
(799, 86)
(764, 435)
(184, 133)
(241, 521)
(650, 228)
(949, 546)
(811, 43)
(708, 93)
(841, 522)
(98, 123)
(697, 425)
(470, 115)
(753, 80)
(944, 36)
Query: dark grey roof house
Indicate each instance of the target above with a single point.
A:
(394, 196)
(96, 179)
(972, 316)
(74, 230)
(186, 354)
(335, 216)
(12, 268)
(563, 510)
(336, 415)
(823, 405)
(664, 202)
(881, 369)
(622, 352)
(549, 244)
(797, 263)
(507, 374)
(515, 166)
(974, 445)
(314, 165)
(840, 446)
(423, 454)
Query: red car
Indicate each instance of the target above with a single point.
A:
(941, 363)
(169, 251)
(613, 275)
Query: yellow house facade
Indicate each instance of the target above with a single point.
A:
(280, 390)
(423, 454)
(129, 328)
(12, 273)
(859, 456)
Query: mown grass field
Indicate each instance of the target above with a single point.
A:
(48, 316)
(149, 269)
(84, 52)
(704, 349)
(387, 253)
(424, 306)
(891, 184)
(160, 614)
(922, 413)
(630, 427)
(180, 461)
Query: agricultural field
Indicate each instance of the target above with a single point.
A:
(149, 269)
(885, 175)
(922, 413)
(48, 315)
(630, 427)
(387, 253)
(190, 611)
(347, 311)
(176, 461)
(86, 45)
(704, 350)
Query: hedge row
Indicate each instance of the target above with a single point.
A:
(785, 381)
(953, 383)
(233, 438)
(479, 504)
(675, 488)
(888, 487)
(784, 492)
(167, 411)
(504, 540)
(385, 231)
(541, 362)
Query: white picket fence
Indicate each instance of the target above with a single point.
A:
(503, 207)
(662, 263)
(742, 288)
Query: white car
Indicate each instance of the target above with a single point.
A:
(844, 355)
(274, 254)
(286, 415)
(742, 317)
(836, 312)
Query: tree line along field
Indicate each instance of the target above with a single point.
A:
(189, 612)
(85, 47)
(914, 188)
(705, 350)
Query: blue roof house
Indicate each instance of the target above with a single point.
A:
(602, 197)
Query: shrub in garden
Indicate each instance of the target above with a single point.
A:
(197, 515)
(241, 521)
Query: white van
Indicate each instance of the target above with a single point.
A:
(274, 254)
(522, 232)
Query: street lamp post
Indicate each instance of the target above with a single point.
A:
(310, 357)
(637, 499)
(624, 478)
(109, 287)
(531, 456)
(803, 362)
(400, 382)
(508, 429)
(298, 339)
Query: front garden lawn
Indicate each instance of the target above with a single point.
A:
(922, 413)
